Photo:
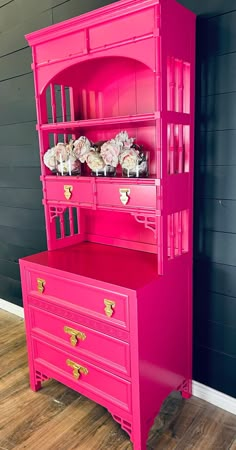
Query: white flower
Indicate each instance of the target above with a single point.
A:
(82, 148)
(49, 159)
(62, 150)
(129, 159)
(94, 160)
(110, 151)
(124, 140)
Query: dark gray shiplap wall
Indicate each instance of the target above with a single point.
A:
(22, 229)
(215, 204)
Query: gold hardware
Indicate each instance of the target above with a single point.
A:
(41, 285)
(109, 307)
(75, 335)
(124, 196)
(77, 369)
(68, 191)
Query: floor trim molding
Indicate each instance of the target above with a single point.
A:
(214, 397)
(12, 308)
(199, 390)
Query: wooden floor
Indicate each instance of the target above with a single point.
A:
(57, 418)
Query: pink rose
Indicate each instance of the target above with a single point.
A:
(82, 148)
(94, 161)
(129, 159)
(110, 152)
(49, 159)
(63, 150)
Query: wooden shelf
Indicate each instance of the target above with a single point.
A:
(101, 122)
(114, 180)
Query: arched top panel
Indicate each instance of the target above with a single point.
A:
(143, 52)
(104, 87)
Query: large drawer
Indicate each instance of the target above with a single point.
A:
(108, 306)
(82, 376)
(111, 353)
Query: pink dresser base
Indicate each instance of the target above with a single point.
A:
(128, 361)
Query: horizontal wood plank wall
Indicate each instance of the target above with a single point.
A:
(215, 204)
(22, 227)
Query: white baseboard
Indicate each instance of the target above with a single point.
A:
(199, 390)
(10, 307)
(215, 397)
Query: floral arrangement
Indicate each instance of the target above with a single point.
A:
(62, 159)
(102, 157)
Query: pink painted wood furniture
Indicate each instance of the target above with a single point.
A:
(108, 307)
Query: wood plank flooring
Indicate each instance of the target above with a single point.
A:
(57, 418)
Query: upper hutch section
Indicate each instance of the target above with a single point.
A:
(119, 67)
(127, 66)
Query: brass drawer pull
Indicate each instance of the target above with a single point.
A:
(124, 196)
(109, 307)
(75, 335)
(68, 191)
(77, 369)
(41, 285)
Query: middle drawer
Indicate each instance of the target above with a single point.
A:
(108, 351)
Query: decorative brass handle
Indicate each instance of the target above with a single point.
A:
(109, 307)
(77, 369)
(75, 335)
(68, 191)
(41, 285)
(124, 196)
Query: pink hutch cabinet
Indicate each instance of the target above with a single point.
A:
(108, 307)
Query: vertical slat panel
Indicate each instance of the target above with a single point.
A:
(72, 106)
(180, 86)
(180, 149)
(62, 225)
(186, 147)
(84, 105)
(185, 232)
(54, 109)
(171, 148)
(172, 85)
(63, 108)
(186, 90)
(71, 222)
(180, 233)
(53, 103)
(158, 76)
(160, 245)
(63, 104)
(172, 235)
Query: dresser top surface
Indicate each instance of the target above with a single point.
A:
(130, 269)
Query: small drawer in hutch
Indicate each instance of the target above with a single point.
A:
(82, 375)
(108, 306)
(81, 341)
(126, 195)
(66, 190)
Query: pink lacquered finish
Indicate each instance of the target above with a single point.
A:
(84, 298)
(88, 343)
(96, 383)
(118, 270)
(80, 194)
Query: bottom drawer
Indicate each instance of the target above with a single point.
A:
(85, 377)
